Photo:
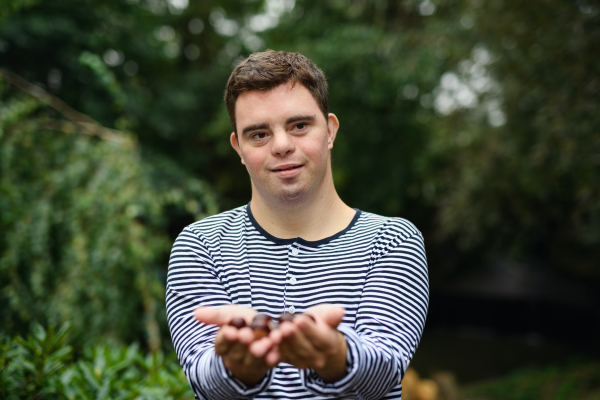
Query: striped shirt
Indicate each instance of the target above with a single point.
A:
(375, 268)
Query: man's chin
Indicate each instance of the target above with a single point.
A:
(292, 197)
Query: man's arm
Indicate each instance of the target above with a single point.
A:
(232, 344)
(390, 320)
(192, 283)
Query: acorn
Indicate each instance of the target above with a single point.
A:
(261, 326)
(238, 323)
(286, 316)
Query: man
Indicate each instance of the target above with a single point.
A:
(297, 248)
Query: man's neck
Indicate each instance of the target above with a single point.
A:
(315, 219)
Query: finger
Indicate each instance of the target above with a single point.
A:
(330, 314)
(286, 329)
(245, 335)
(307, 320)
(321, 336)
(230, 333)
(260, 347)
(208, 315)
(275, 336)
(295, 348)
(229, 339)
(229, 346)
(224, 314)
(273, 357)
(226, 338)
(231, 311)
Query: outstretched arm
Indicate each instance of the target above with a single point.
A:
(192, 283)
(232, 344)
(390, 319)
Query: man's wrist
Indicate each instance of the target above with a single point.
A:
(248, 375)
(231, 387)
(336, 366)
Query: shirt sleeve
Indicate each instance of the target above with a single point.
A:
(192, 282)
(390, 320)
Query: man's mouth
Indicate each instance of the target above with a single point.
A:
(288, 168)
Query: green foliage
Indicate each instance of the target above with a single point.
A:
(84, 238)
(512, 172)
(42, 366)
(370, 56)
(575, 381)
(164, 78)
(29, 367)
(8, 7)
(526, 189)
(106, 76)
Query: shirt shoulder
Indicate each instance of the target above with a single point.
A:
(388, 232)
(395, 226)
(219, 224)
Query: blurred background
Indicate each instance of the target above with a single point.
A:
(479, 121)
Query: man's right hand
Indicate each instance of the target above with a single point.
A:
(232, 343)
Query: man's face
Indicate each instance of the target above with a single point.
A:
(284, 141)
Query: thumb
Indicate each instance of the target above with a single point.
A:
(330, 314)
(210, 316)
(224, 314)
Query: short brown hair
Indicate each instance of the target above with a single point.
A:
(269, 69)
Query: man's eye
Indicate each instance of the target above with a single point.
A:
(301, 125)
(259, 135)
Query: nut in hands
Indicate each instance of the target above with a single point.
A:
(286, 316)
(238, 323)
(262, 325)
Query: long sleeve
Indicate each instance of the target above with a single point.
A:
(375, 268)
(390, 320)
(193, 282)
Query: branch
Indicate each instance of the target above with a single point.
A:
(85, 123)
(85, 128)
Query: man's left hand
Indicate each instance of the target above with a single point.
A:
(305, 343)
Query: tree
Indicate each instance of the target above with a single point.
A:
(518, 170)
(84, 235)
(475, 120)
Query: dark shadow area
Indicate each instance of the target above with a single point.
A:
(505, 317)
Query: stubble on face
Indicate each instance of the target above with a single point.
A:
(297, 193)
(271, 109)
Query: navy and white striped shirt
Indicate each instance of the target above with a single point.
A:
(375, 268)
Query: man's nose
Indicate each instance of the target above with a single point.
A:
(283, 143)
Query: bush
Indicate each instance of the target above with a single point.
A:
(85, 224)
(579, 380)
(43, 366)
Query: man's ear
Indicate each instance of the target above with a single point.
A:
(333, 124)
(234, 143)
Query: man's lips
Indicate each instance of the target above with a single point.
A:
(287, 167)
(287, 171)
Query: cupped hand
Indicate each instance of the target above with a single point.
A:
(232, 344)
(305, 343)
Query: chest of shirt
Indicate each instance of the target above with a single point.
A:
(273, 278)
